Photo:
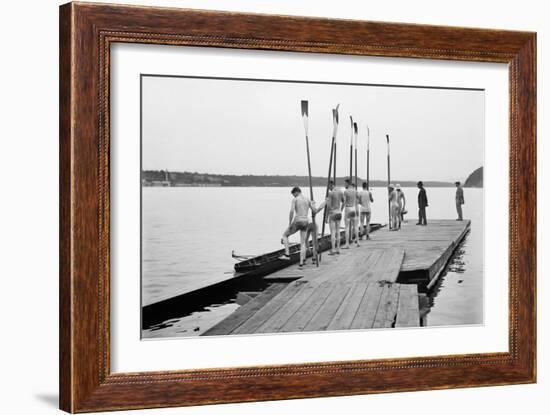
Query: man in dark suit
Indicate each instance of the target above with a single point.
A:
(422, 204)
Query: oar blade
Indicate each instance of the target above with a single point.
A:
(335, 120)
(305, 114)
(305, 105)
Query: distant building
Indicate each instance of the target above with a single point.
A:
(167, 182)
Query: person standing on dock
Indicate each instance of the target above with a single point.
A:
(334, 203)
(402, 204)
(298, 221)
(357, 213)
(422, 204)
(395, 224)
(350, 212)
(365, 199)
(459, 199)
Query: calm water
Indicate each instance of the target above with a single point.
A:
(189, 233)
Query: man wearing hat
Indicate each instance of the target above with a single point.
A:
(422, 204)
(459, 199)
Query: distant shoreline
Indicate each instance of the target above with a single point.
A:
(164, 178)
(405, 185)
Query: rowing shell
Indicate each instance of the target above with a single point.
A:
(270, 262)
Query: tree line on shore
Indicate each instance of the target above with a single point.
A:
(195, 178)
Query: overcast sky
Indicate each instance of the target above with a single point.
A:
(255, 127)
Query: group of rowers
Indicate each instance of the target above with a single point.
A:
(355, 206)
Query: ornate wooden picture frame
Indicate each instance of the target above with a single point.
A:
(87, 32)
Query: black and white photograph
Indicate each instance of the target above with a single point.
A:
(275, 207)
(284, 206)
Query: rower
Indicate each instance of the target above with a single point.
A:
(334, 203)
(402, 204)
(394, 207)
(350, 213)
(365, 199)
(298, 221)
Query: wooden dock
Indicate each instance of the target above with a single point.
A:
(358, 289)
(427, 248)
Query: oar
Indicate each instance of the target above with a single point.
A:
(314, 225)
(350, 165)
(351, 150)
(332, 149)
(356, 134)
(335, 156)
(389, 207)
(332, 145)
(335, 147)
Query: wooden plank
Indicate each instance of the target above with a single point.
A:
(408, 312)
(271, 307)
(441, 262)
(364, 318)
(276, 322)
(243, 313)
(387, 309)
(346, 312)
(325, 314)
(299, 320)
(391, 311)
(358, 264)
(283, 277)
(395, 261)
(244, 297)
(370, 268)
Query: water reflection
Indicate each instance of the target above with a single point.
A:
(457, 296)
(191, 324)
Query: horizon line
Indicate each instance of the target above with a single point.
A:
(343, 177)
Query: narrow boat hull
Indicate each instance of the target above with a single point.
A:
(271, 262)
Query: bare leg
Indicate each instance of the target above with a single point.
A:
(337, 235)
(348, 236)
(286, 243)
(367, 226)
(356, 229)
(332, 236)
(396, 216)
(303, 240)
